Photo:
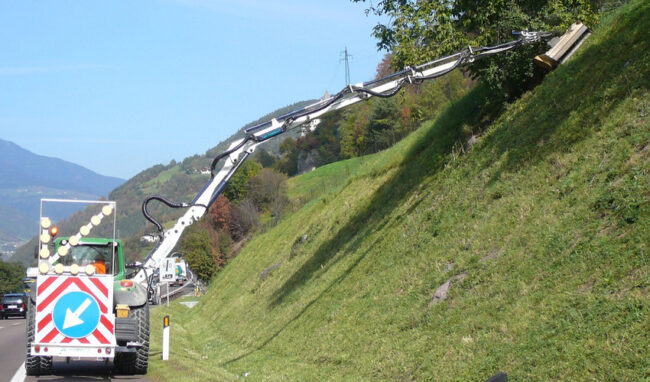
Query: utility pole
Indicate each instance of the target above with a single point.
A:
(346, 58)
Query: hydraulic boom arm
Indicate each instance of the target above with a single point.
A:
(307, 119)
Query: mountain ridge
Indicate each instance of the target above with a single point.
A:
(27, 177)
(20, 167)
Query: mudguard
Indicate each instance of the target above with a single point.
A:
(137, 296)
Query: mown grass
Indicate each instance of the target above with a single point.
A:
(313, 184)
(547, 216)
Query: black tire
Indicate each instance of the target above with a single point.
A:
(34, 365)
(138, 362)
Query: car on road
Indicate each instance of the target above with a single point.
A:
(13, 304)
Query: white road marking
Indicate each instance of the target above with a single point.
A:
(20, 374)
(16, 324)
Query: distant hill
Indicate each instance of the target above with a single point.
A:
(175, 181)
(16, 226)
(20, 168)
(26, 177)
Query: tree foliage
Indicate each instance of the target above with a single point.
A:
(245, 217)
(199, 250)
(268, 190)
(264, 158)
(11, 277)
(288, 162)
(220, 213)
(238, 185)
(380, 123)
(423, 30)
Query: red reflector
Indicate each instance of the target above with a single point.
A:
(126, 283)
(99, 351)
(37, 348)
(45, 350)
(108, 350)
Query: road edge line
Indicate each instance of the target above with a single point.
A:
(20, 374)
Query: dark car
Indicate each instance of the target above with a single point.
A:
(13, 304)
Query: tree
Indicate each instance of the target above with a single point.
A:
(244, 218)
(220, 213)
(353, 130)
(423, 30)
(268, 190)
(264, 158)
(237, 186)
(382, 128)
(288, 162)
(11, 277)
(200, 253)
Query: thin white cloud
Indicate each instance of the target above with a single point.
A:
(26, 70)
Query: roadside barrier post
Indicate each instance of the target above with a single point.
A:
(165, 339)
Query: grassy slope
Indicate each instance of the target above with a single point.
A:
(547, 215)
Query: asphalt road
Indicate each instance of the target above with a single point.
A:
(12, 347)
(12, 358)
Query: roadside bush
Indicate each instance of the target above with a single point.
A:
(199, 253)
(268, 191)
(244, 218)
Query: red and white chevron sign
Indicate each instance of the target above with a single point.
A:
(83, 305)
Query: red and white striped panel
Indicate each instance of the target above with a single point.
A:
(51, 288)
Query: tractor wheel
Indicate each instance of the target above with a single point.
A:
(34, 365)
(138, 362)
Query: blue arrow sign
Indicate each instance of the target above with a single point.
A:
(76, 314)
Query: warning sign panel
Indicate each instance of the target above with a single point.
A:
(74, 310)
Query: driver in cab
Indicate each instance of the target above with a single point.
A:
(99, 256)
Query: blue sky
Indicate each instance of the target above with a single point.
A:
(119, 86)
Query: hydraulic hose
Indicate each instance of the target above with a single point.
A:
(164, 201)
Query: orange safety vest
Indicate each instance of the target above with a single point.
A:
(100, 267)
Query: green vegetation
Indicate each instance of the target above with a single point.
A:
(197, 248)
(11, 277)
(370, 126)
(542, 222)
(153, 185)
(312, 184)
(417, 31)
(238, 186)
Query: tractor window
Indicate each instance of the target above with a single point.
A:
(99, 256)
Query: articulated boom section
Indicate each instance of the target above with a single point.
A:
(197, 209)
(307, 119)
